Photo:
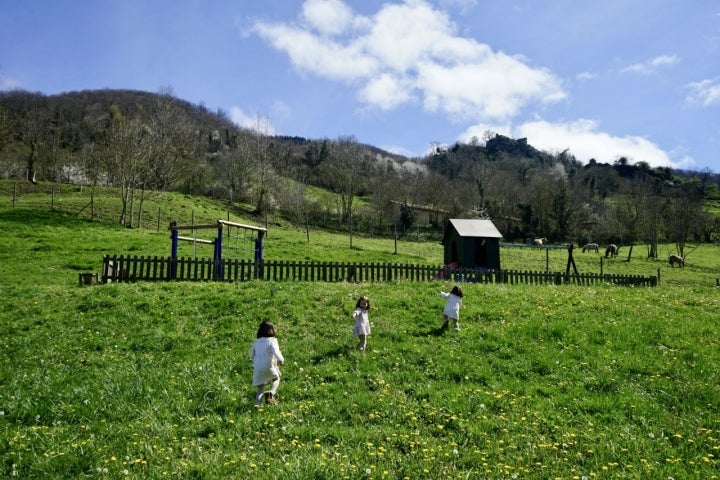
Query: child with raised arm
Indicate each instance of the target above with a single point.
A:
(362, 321)
(452, 307)
(266, 356)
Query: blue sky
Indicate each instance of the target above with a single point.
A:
(602, 78)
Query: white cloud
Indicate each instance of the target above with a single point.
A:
(254, 122)
(386, 92)
(311, 53)
(240, 118)
(403, 35)
(463, 5)
(397, 150)
(585, 141)
(481, 130)
(705, 92)
(651, 66)
(585, 76)
(7, 83)
(280, 110)
(330, 17)
(495, 88)
(406, 51)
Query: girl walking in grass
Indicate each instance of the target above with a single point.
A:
(452, 307)
(362, 321)
(266, 356)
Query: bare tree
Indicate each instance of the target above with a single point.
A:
(628, 213)
(297, 203)
(387, 185)
(30, 129)
(345, 172)
(500, 196)
(684, 210)
(438, 192)
(173, 144)
(235, 166)
(5, 128)
(93, 123)
(264, 174)
(652, 206)
(539, 196)
(125, 152)
(7, 166)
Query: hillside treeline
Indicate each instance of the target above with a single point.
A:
(140, 142)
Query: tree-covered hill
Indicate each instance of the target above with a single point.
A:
(141, 141)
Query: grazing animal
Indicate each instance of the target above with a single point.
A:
(673, 259)
(540, 241)
(611, 250)
(591, 247)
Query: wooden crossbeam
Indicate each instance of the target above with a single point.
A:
(193, 227)
(242, 225)
(216, 225)
(196, 240)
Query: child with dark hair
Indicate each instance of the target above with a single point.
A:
(266, 356)
(452, 307)
(362, 321)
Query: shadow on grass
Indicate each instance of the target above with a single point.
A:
(432, 332)
(342, 351)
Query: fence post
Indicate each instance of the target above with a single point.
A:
(104, 275)
(173, 249)
(395, 226)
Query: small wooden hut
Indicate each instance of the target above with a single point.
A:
(472, 243)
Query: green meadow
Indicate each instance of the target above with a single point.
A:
(153, 380)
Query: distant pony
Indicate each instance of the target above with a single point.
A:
(673, 259)
(611, 250)
(591, 247)
(540, 241)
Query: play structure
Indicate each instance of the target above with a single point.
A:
(217, 243)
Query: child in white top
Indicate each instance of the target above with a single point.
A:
(452, 307)
(362, 321)
(266, 356)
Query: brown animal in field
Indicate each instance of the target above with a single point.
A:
(540, 241)
(611, 250)
(591, 247)
(673, 259)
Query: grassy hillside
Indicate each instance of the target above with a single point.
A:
(153, 380)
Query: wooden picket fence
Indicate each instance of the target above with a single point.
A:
(139, 268)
